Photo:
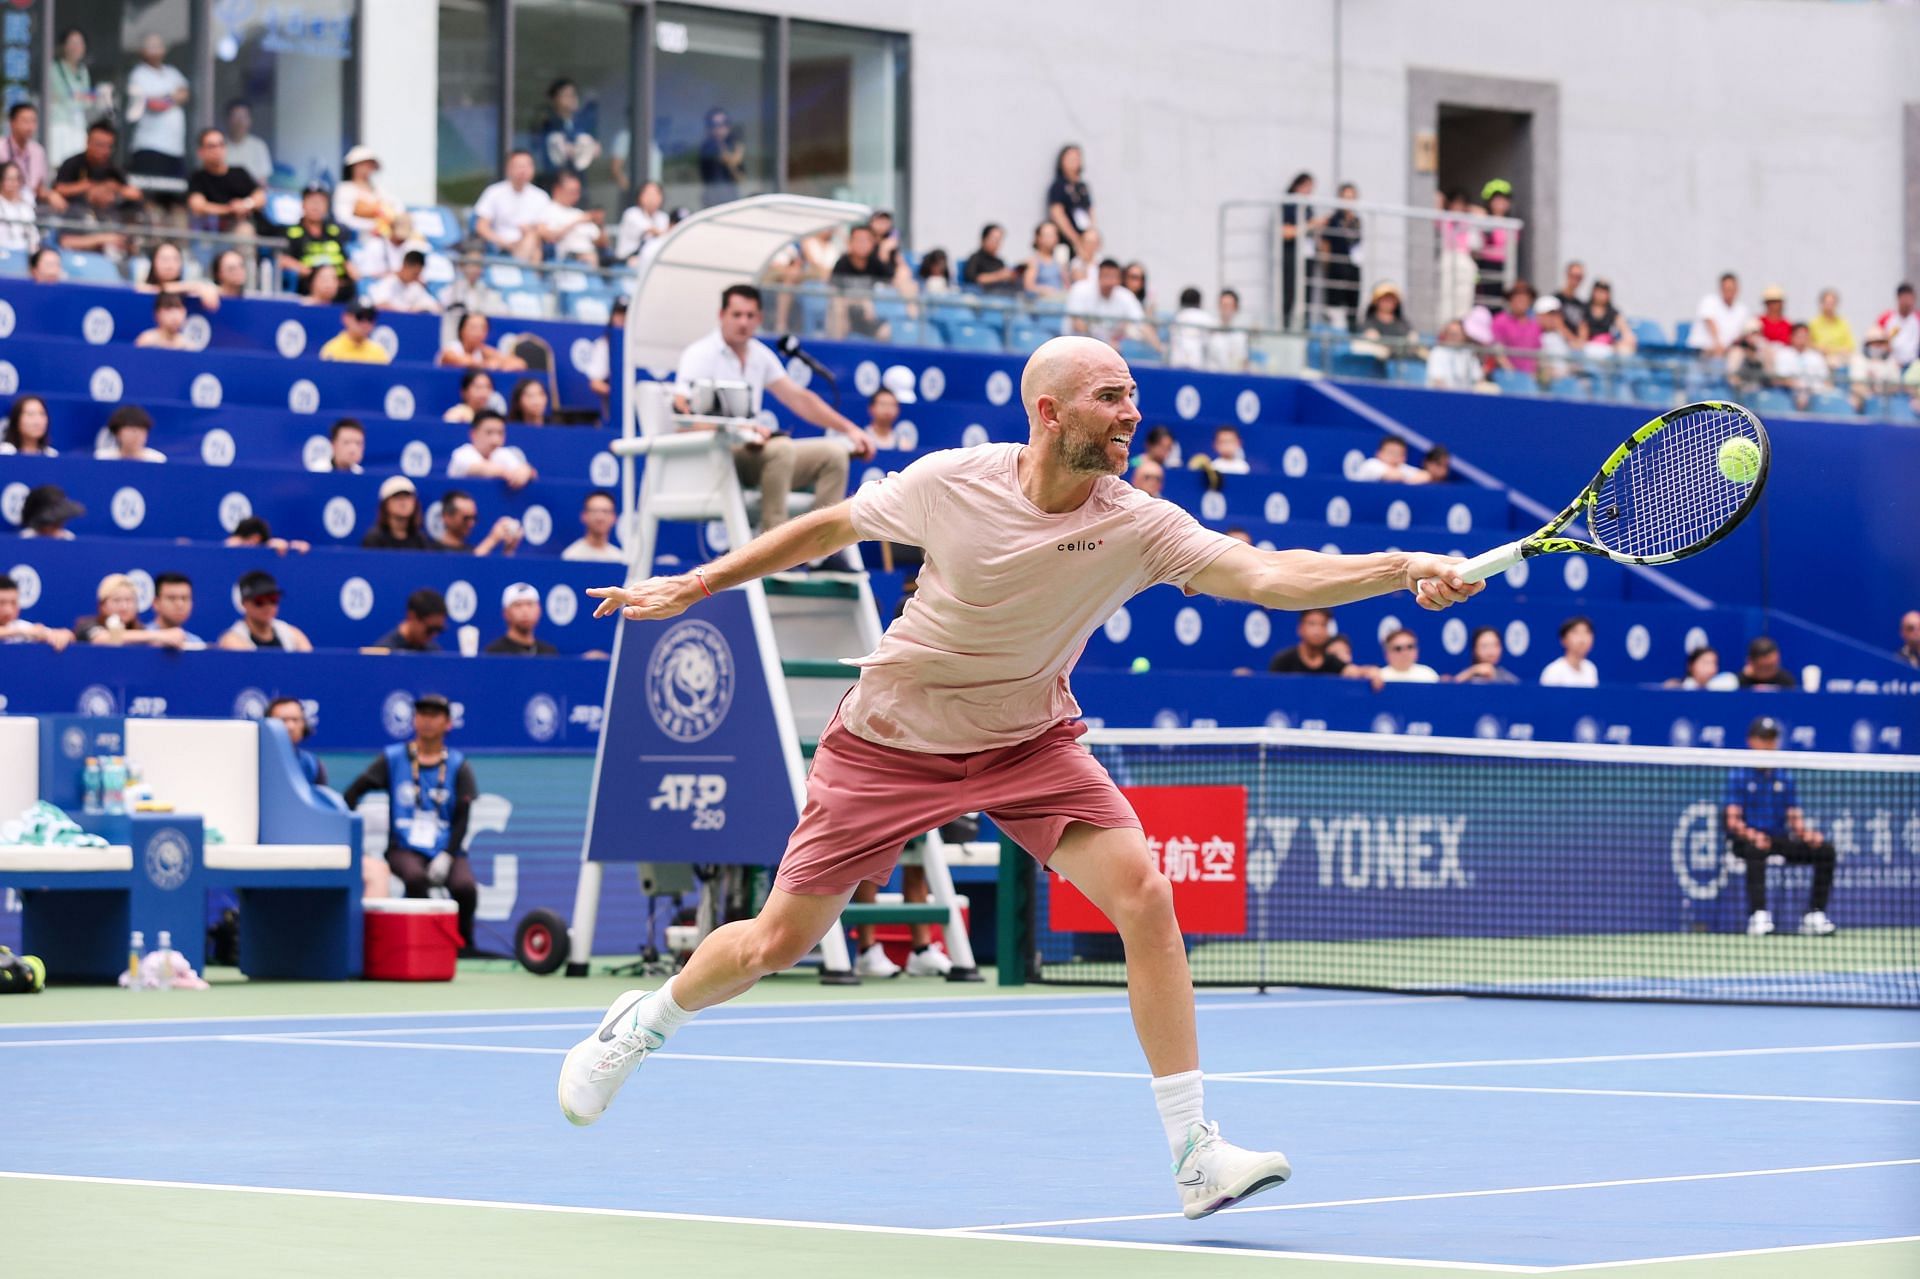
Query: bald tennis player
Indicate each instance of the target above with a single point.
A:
(964, 707)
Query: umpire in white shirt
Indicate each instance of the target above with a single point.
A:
(776, 464)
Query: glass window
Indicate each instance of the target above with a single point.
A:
(280, 87)
(846, 116)
(713, 105)
(469, 124)
(91, 77)
(572, 71)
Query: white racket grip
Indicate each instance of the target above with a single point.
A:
(1491, 563)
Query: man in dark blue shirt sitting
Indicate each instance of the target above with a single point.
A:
(1764, 820)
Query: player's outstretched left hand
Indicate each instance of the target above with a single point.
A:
(1436, 582)
(653, 600)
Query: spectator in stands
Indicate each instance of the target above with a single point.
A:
(776, 464)
(1227, 348)
(1556, 342)
(1388, 465)
(419, 631)
(358, 204)
(1042, 276)
(349, 440)
(1902, 327)
(1608, 332)
(883, 413)
(27, 428)
(1150, 477)
(397, 527)
(1451, 364)
(1403, 661)
(17, 211)
(1763, 668)
(470, 294)
(1572, 669)
(476, 396)
(220, 195)
(487, 455)
(1070, 204)
(458, 514)
(859, 269)
(173, 606)
(598, 515)
(1801, 370)
(1458, 271)
(985, 269)
(430, 792)
(260, 625)
(1775, 327)
(469, 349)
(598, 366)
(1187, 334)
(1874, 371)
(723, 160)
(354, 343)
(1703, 672)
(1229, 452)
(1438, 464)
(99, 192)
(15, 629)
(1309, 656)
(575, 233)
(1721, 320)
(246, 148)
(404, 290)
(509, 214)
(568, 148)
(1496, 245)
(645, 221)
(1486, 650)
(45, 266)
(1909, 650)
(1160, 446)
(1764, 820)
(325, 288)
(1337, 248)
(1295, 225)
(935, 274)
(529, 402)
(1383, 321)
(255, 531)
(1133, 278)
(1098, 306)
(72, 100)
(166, 273)
(169, 323)
(115, 622)
(1516, 329)
(1832, 335)
(130, 425)
(232, 274)
(46, 511)
(1750, 362)
(292, 714)
(520, 608)
(886, 238)
(316, 240)
(18, 147)
(1573, 312)
(378, 256)
(157, 96)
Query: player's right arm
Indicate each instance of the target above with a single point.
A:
(813, 536)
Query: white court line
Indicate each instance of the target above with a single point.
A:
(1571, 1061)
(791, 1224)
(857, 1064)
(1737, 1252)
(1458, 1194)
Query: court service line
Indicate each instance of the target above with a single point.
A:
(968, 1068)
(1457, 1194)
(1573, 1061)
(1736, 1252)
(920, 1232)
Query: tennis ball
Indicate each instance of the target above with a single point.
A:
(1141, 666)
(1740, 460)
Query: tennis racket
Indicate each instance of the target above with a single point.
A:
(1678, 485)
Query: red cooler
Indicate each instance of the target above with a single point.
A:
(411, 938)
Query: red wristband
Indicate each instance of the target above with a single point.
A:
(700, 576)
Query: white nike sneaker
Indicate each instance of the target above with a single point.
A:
(931, 962)
(1760, 923)
(1816, 924)
(873, 962)
(597, 1065)
(1213, 1174)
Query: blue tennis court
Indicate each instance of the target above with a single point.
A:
(1468, 1133)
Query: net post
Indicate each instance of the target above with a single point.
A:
(1013, 915)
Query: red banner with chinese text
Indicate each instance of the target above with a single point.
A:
(1197, 836)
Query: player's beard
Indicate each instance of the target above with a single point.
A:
(1088, 456)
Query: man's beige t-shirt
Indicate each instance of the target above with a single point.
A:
(1007, 598)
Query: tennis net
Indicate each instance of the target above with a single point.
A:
(1509, 868)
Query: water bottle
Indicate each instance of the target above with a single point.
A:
(90, 787)
(113, 781)
(166, 959)
(136, 947)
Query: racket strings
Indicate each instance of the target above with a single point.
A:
(1668, 494)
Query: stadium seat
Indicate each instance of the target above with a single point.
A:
(911, 332)
(968, 336)
(437, 225)
(1681, 328)
(91, 268)
(1354, 364)
(1408, 372)
(1831, 404)
(283, 208)
(1571, 388)
(13, 262)
(1026, 338)
(1514, 382)
(1648, 332)
(1770, 399)
(1134, 351)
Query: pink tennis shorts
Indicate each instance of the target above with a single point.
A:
(865, 801)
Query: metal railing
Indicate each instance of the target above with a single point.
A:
(130, 243)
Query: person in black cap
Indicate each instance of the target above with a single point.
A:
(430, 791)
(260, 625)
(354, 343)
(1764, 820)
(419, 631)
(46, 511)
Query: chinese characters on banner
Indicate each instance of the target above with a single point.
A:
(1197, 835)
(16, 54)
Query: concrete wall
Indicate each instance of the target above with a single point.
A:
(399, 93)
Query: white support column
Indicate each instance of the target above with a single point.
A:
(400, 95)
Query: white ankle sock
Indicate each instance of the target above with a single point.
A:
(661, 1014)
(1181, 1107)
